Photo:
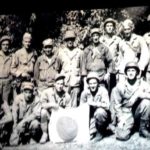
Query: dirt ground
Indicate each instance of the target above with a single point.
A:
(108, 143)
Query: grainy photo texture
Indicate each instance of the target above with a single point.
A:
(75, 79)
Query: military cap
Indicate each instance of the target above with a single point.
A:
(110, 20)
(95, 30)
(59, 77)
(4, 38)
(27, 85)
(128, 23)
(132, 65)
(69, 34)
(92, 75)
(48, 41)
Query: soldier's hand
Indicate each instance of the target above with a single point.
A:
(25, 75)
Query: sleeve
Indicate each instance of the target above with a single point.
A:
(105, 103)
(83, 98)
(108, 60)
(82, 64)
(14, 65)
(68, 100)
(145, 54)
(15, 110)
(36, 71)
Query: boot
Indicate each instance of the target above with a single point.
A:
(143, 131)
(97, 138)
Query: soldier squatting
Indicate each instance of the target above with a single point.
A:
(111, 74)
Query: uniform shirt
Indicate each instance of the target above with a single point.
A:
(72, 65)
(98, 61)
(50, 96)
(45, 71)
(134, 50)
(101, 97)
(23, 62)
(113, 45)
(124, 92)
(22, 110)
(5, 63)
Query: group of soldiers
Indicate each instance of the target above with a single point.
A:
(111, 75)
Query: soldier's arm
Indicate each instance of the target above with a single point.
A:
(36, 71)
(145, 54)
(83, 98)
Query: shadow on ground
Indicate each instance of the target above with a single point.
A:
(108, 143)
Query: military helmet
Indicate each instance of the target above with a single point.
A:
(128, 23)
(92, 75)
(95, 30)
(5, 38)
(110, 20)
(47, 42)
(69, 34)
(132, 65)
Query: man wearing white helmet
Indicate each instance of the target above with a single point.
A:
(132, 104)
(98, 57)
(46, 66)
(23, 61)
(72, 66)
(132, 47)
(111, 40)
(97, 98)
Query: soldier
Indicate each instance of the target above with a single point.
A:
(46, 66)
(98, 57)
(147, 39)
(26, 111)
(132, 47)
(97, 98)
(5, 75)
(53, 98)
(111, 40)
(22, 67)
(5, 123)
(72, 66)
(132, 104)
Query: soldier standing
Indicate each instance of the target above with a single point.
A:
(72, 64)
(132, 48)
(111, 40)
(5, 74)
(98, 57)
(46, 66)
(22, 67)
(97, 98)
(132, 104)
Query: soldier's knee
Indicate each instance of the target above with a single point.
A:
(145, 104)
(34, 124)
(122, 135)
(100, 114)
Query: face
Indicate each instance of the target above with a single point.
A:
(28, 94)
(26, 43)
(131, 73)
(127, 31)
(59, 85)
(109, 28)
(95, 38)
(93, 85)
(5, 46)
(48, 49)
(70, 42)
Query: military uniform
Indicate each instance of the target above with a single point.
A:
(133, 50)
(5, 76)
(26, 118)
(96, 61)
(98, 115)
(45, 71)
(5, 123)
(73, 67)
(125, 108)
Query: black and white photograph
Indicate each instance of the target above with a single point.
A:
(75, 79)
